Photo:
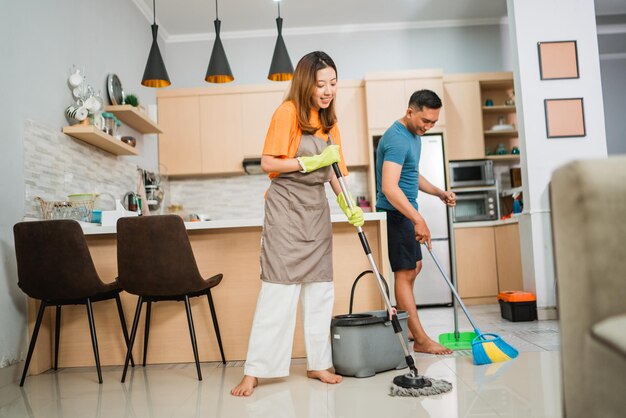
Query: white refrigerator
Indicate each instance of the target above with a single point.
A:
(430, 288)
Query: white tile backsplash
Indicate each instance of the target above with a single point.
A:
(241, 197)
(56, 165)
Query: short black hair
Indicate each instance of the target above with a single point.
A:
(425, 98)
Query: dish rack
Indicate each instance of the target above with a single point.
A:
(79, 210)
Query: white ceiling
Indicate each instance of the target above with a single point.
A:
(195, 17)
(187, 20)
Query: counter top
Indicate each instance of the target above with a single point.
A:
(512, 220)
(230, 223)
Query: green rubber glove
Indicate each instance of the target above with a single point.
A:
(355, 215)
(325, 158)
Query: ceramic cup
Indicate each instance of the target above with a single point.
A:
(92, 104)
(75, 79)
(76, 112)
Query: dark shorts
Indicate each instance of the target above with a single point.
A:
(404, 250)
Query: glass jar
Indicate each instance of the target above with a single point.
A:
(109, 123)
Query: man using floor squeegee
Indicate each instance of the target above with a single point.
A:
(398, 181)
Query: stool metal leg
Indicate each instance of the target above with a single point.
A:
(215, 325)
(94, 339)
(57, 335)
(193, 336)
(120, 312)
(33, 340)
(146, 331)
(133, 333)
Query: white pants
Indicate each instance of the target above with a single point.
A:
(271, 337)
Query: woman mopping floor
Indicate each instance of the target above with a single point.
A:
(296, 246)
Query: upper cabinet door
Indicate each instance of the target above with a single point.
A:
(464, 139)
(179, 144)
(257, 110)
(221, 134)
(351, 116)
(386, 103)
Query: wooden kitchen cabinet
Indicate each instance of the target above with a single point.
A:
(387, 95)
(385, 101)
(469, 122)
(351, 114)
(257, 109)
(509, 257)
(179, 144)
(221, 134)
(464, 139)
(488, 261)
(477, 272)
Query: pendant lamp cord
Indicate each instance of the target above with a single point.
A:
(278, 8)
(216, 14)
(154, 10)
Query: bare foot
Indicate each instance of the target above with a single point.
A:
(431, 347)
(324, 375)
(245, 387)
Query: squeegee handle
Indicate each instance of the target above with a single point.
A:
(452, 288)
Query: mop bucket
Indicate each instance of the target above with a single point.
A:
(363, 343)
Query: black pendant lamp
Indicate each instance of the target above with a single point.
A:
(219, 70)
(155, 74)
(281, 68)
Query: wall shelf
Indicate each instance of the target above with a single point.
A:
(134, 118)
(98, 138)
(511, 157)
(499, 109)
(501, 133)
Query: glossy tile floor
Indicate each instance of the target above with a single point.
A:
(528, 386)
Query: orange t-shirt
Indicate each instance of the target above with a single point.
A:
(284, 134)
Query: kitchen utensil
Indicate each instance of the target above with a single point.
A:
(114, 90)
(75, 79)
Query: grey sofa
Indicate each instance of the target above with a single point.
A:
(588, 200)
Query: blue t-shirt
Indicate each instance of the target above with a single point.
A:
(400, 146)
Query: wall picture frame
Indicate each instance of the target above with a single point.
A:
(558, 60)
(565, 118)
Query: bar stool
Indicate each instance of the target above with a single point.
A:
(54, 266)
(155, 262)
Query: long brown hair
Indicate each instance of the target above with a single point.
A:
(301, 92)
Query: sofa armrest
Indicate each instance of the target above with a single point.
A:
(612, 333)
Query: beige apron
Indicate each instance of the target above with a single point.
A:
(296, 244)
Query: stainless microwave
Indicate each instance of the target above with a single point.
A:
(471, 173)
(479, 204)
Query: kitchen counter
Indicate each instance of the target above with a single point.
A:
(230, 247)
(230, 223)
(512, 220)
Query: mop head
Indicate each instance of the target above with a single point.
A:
(403, 386)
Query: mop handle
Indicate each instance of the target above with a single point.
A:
(363, 238)
(456, 294)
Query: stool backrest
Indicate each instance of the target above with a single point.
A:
(154, 256)
(53, 260)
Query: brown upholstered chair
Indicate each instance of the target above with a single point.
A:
(54, 266)
(155, 262)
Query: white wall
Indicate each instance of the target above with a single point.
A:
(39, 42)
(455, 50)
(614, 92)
(533, 21)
